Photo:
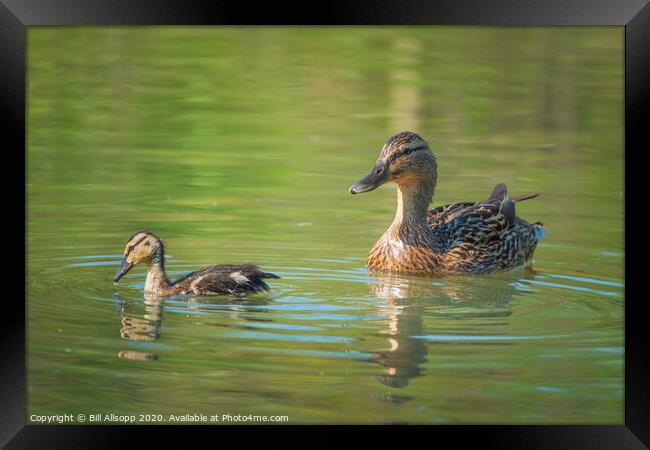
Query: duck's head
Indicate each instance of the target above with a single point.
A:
(142, 246)
(405, 158)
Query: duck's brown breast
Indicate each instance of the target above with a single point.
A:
(465, 258)
(396, 256)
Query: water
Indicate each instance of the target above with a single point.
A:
(239, 146)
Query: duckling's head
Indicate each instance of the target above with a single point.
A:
(405, 158)
(142, 246)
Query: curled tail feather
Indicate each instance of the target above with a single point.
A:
(521, 198)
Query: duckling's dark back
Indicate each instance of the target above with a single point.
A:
(236, 279)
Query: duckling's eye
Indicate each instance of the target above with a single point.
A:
(130, 248)
(146, 244)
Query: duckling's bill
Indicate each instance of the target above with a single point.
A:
(124, 268)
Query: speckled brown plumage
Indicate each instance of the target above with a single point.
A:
(467, 237)
(234, 279)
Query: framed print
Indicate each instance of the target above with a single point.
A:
(388, 214)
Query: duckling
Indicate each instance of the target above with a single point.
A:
(464, 237)
(145, 246)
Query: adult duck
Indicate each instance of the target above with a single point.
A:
(465, 237)
(145, 247)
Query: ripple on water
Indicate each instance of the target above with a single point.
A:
(468, 338)
(289, 337)
(575, 288)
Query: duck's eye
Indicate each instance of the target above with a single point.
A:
(408, 151)
(379, 170)
(130, 248)
(146, 244)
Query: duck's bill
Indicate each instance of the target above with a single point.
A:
(377, 176)
(124, 268)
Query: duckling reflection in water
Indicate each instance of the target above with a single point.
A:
(462, 237)
(145, 328)
(144, 246)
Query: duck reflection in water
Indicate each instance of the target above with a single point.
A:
(409, 298)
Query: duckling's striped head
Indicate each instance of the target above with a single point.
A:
(405, 157)
(142, 246)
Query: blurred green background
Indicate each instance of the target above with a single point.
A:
(239, 144)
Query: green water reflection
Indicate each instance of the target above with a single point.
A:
(238, 145)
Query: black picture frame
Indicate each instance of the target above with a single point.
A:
(634, 15)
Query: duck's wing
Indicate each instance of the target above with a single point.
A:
(228, 279)
(476, 222)
(443, 214)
